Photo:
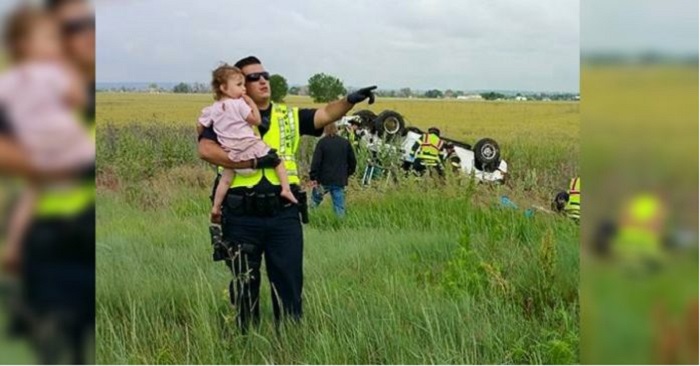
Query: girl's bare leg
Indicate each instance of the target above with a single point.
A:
(284, 181)
(220, 194)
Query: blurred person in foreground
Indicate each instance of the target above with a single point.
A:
(642, 286)
(333, 162)
(51, 242)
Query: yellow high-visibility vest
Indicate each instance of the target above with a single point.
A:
(641, 231)
(429, 150)
(573, 207)
(282, 136)
(67, 201)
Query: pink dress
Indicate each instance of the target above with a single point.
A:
(235, 135)
(33, 97)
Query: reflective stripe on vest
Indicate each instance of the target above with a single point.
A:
(282, 136)
(67, 201)
(573, 207)
(430, 147)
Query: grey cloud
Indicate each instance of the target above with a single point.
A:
(499, 44)
(632, 26)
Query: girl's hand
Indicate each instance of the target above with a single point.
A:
(248, 100)
(10, 259)
(215, 216)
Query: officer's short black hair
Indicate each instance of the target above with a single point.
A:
(434, 130)
(53, 5)
(250, 60)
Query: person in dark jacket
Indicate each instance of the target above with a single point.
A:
(333, 162)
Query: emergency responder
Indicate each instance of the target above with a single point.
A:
(353, 134)
(428, 151)
(569, 202)
(255, 220)
(642, 230)
(57, 258)
(450, 157)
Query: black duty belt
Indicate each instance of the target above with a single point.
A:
(264, 204)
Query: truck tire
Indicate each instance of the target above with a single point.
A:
(389, 124)
(487, 155)
(367, 117)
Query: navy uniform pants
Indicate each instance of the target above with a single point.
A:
(278, 240)
(58, 271)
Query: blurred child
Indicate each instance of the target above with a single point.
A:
(40, 95)
(232, 116)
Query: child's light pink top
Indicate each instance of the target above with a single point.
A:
(235, 135)
(33, 96)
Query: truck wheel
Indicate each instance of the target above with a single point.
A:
(487, 155)
(367, 117)
(389, 124)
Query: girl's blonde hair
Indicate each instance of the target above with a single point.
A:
(220, 77)
(18, 26)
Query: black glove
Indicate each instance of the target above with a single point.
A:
(361, 94)
(270, 160)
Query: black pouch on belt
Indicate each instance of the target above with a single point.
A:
(235, 204)
(303, 205)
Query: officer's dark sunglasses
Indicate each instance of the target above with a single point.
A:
(250, 78)
(76, 26)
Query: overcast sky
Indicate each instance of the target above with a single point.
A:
(475, 44)
(633, 26)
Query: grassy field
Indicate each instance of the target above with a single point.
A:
(418, 272)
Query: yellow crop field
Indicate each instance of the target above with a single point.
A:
(506, 121)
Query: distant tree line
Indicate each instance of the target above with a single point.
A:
(323, 87)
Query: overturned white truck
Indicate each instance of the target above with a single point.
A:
(388, 130)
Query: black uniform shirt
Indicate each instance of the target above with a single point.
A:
(306, 127)
(333, 161)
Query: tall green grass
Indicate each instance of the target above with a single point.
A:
(420, 271)
(460, 284)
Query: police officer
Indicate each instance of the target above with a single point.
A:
(256, 222)
(428, 152)
(57, 258)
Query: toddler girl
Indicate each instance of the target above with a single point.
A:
(233, 116)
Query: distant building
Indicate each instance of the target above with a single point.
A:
(520, 98)
(470, 97)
